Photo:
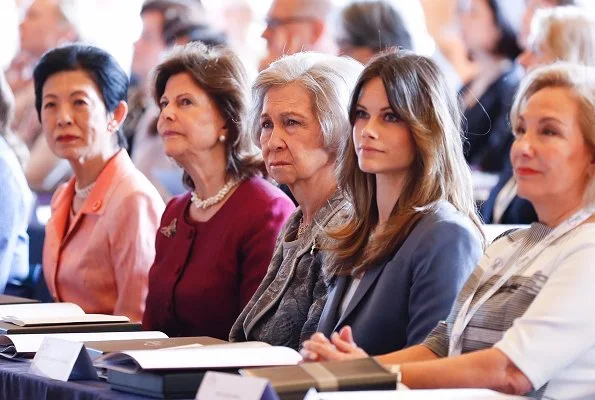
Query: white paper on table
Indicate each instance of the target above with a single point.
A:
(234, 345)
(12, 345)
(437, 394)
(212, 357)
(64, 319)
(35, 310)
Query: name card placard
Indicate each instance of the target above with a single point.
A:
(223, 386)
(62, 360)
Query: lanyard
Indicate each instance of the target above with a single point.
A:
(467, 312)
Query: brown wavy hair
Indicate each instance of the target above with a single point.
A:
(220, 73)
(418, 93)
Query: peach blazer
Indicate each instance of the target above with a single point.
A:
(101, 260)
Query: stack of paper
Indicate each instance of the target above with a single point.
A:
(26, 345)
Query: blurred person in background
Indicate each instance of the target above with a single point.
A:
(9, 32)
(240, 21)
(45, 25)
(491, 41)
(531, 7)
(297, 25)
(148, 51)
(16, 200)
(442, 25)
(368, 27)
(557, 34)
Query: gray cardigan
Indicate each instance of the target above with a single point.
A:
(285, 308)
(399, 302)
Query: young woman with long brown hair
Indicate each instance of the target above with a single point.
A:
(412, 236)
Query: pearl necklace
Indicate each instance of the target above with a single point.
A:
(210, 201)
(83, 193)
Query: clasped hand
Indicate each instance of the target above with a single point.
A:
(341, 346)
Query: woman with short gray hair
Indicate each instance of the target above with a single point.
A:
(300, 120)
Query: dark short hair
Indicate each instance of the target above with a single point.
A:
(101, 66)
(373, 24)
(174, 12)
(194, 31)
(221, 75)
(508, 45)
(165, 6)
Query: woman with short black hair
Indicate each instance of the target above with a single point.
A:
(99, 241)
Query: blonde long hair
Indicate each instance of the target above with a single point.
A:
(418, 93)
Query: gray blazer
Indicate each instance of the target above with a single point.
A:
(398, 303)
(285, 308)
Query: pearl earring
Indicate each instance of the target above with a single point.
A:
(222, 138)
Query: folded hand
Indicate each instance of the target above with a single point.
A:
(340, 347)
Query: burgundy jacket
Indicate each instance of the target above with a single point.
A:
(205, 272)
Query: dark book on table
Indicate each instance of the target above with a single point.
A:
(7, 328)
(178, 384)
(294, 381)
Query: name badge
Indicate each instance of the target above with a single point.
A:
(222, 386)
(62, 360)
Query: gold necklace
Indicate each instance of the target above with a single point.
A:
(302, 228)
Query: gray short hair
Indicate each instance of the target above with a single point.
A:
(329, 80)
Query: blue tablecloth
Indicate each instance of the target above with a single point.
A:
(17, 384)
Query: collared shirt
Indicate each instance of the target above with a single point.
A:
(100, 260)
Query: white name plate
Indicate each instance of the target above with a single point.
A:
(222, 386)
(62, 360)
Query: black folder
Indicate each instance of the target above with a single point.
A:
(6, 328)
(161, 385)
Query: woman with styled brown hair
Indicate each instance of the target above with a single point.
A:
(215, 242)
(412, 236)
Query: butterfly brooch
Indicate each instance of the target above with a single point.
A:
(170, 230)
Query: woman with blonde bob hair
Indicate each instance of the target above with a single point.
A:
(522, 323)
(412, 237)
